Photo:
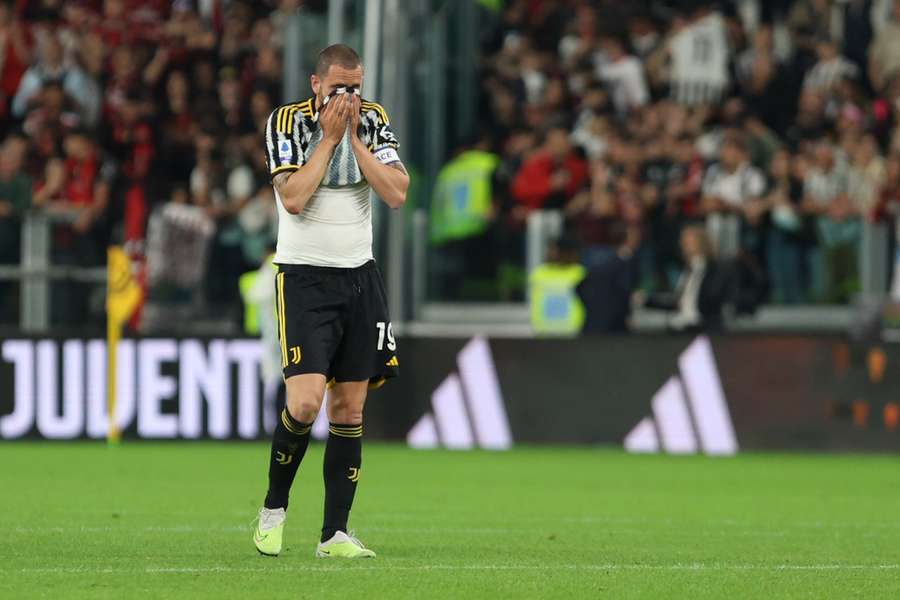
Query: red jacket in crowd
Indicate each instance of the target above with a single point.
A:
(532, 185)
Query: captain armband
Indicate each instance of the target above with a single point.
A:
(387, 155)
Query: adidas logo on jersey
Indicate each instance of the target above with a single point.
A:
(690, 413)
(467, 408)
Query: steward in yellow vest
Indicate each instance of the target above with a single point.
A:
(555, 306)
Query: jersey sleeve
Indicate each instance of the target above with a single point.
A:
(282, 148)
(381, 137)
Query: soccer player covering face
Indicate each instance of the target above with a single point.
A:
(324, 155)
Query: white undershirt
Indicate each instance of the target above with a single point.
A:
(334, 229)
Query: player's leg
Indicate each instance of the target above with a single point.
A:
(342, 468)
(364, 358)
(304, 399)
(289, 443)
(309, 332)
(343, 453)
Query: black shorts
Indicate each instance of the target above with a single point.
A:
(335, 322)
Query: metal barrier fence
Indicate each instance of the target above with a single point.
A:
(36, 271)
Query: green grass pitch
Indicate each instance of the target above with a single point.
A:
(173, 521)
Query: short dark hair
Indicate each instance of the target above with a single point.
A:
(337, 54)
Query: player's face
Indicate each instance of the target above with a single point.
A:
(337, 76)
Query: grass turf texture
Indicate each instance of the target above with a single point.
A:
(172, 520)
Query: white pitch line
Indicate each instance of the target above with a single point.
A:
(475, 531)
(730, 523)
(125, 527)
(487, 567)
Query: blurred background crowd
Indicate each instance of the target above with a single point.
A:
(751, 138)
(113, 110)
(766, 128)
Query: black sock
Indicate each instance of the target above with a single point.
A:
(343, 458)
(289, 443)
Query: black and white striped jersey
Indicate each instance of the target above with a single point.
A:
(334, 229)
(293, 132)
(825, 75)
(699, 67)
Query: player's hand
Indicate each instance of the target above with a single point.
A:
(355, 107)
(333, 119)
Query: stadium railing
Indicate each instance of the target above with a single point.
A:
(36, 271)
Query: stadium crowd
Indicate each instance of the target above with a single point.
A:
(110, 109)
(773, 125)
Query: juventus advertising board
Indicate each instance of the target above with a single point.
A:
(646, 393)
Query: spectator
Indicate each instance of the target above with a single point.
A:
(764, 81)
(593, 215)
(730, 186)
(830, 70)
(884, 53)
(606, 290)
(15, 55)
(760, 51)
(84, 191)
(857, 29)
(178, 235)
(825, 192)
(130, 140)
(623, 75)
(699, 53)
(15, 197)
(80, 241)
(79, 88)
(811, 21)
(123, 77)
(551, 176)
(177, 128)
(810, 122)
(49, 118)
(866, 175)
(702, 290)
(787, 239)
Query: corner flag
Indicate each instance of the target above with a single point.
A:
(123, 295)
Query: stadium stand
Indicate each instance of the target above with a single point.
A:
(771, 124)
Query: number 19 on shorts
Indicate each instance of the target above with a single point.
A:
(386, 328)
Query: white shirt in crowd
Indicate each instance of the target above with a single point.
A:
(826, 74)
(625, 80)
(824, 186)
(735, 189)
(699, 52)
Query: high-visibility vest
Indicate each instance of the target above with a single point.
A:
(461, 205)
(555, 307)
(251, 309)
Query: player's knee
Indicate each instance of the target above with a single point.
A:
(345, 411)
(350, 415)
(303, 406)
